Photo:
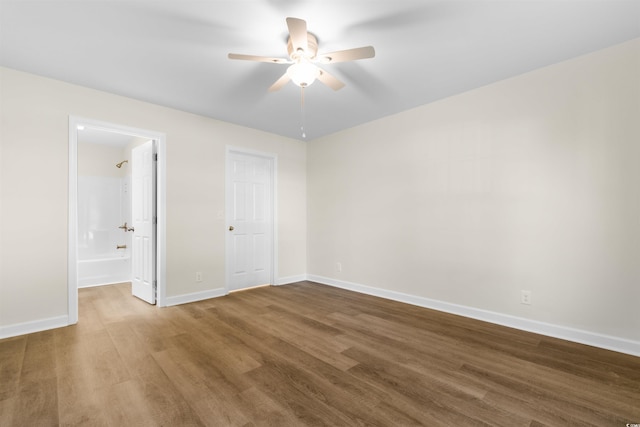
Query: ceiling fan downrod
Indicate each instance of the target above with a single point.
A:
(304, 135)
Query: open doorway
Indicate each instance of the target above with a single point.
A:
(106, 186)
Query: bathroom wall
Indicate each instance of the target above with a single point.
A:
(96, 159)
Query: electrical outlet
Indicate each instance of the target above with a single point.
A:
(339, 267)
(525, 297)
(198, 276)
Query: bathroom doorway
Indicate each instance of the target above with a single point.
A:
(104, 246)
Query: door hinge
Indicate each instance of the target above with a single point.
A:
(155, 157)
(155, 219)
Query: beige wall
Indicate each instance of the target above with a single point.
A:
(532, 183)
(33, 191)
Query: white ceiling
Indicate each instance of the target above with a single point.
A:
(174, 52)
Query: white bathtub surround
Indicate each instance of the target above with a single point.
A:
(103, 206)
(113, 268)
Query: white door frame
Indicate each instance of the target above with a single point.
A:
(273, 206)
(72, 265)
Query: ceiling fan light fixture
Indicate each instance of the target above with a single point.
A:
(303, 73)
(302, 47)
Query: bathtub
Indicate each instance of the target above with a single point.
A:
(104, 269)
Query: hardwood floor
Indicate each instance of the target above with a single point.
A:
(303, 354)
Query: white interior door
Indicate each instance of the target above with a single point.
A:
(249, 220)
(143, 207)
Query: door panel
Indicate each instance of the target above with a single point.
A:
(250, 220)
(143, 212)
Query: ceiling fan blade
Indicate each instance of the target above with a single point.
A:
(258, 58)
(298, 33)
(280, 83)
(330, 80)
(347, 55)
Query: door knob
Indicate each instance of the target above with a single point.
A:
(231, 228)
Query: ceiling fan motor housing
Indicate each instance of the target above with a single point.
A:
(310, 53)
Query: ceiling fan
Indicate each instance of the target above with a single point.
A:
(302, 47)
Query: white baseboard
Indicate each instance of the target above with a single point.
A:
(621, 345)
(34, 326)
(199, 296)
(194, 297)
(608, 342)
(291, 279)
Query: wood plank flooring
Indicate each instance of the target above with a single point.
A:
(303, 354)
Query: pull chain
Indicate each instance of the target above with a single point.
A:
(304, 135)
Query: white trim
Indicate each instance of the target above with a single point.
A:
(194, 297)
(72, 269)
(273, 207)
(161, 216)
(274, 217)
(291, 279)
(608, 342)
(95, 285)
(33, 326)
(72, 246)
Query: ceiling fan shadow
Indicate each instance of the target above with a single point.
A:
(250, 85)
(189, 28)
(421, 15)
(360, 78)
(285, 6)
